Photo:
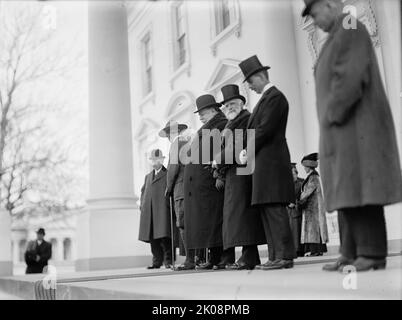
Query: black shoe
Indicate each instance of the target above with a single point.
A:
(205, 266)
(266, 264)
(280, 264)
(240, 266)
(153, 266)
(220, 266)
(185, 267)
(366, 264)
(168, 266)
(338, 264)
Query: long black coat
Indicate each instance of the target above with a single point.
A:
(359, 156)
(242, 223)
(155, 212)
(44, 250)
(272, 178)
(203, 203)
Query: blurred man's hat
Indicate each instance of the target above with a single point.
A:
(171, 125)
(156, 154)
(251, 66)
(41, 231)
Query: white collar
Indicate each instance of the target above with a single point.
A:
(157, 171)
(267, 87)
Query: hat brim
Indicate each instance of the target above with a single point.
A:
(310, 163)
(214, 105)
(308, 7)
(166, 131)
(256, 71)
(233, 98)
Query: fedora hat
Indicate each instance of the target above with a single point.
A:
(172, 125)
(309, 5)
(156, 154)
(206, 101)
(251, 66)
(231, 92)
(310, 161)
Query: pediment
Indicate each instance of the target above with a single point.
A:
(225, 70)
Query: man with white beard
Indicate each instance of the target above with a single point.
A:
(242, 225)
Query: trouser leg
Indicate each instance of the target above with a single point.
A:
(347, 243)
(250, 255)
(167, 250)
(215, 255)
(228, 256)
(268, 234)
(190, 253)
(277, 217)
(157, 252)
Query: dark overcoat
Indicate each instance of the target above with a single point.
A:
(44, 250)
(272, 179)
(155, 213)
(314, 223)
(242, 225)
(203, 203)
(359, 156)
(175, 169)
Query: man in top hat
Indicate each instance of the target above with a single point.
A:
(155, 218)
(38, 253)
(174, 185)
(272, 181)
(360, 165)
(295, 212)
(203, 196)
(242, 225)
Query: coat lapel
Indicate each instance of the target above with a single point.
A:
(257, 107)
(160, 175)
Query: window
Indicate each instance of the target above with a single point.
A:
(67, 249)
(180, 36)
(224, 14)
(147, 59)
(21, 249)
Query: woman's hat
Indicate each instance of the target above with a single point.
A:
(231, 92)
(310, 161)
(251, 66)
(206, 101)
(172, 125)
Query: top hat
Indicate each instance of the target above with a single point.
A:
(310, 161)
(206, 101)
(171, 125)
(41, 231)
(251, 66)
(231, 92)
(309, 5)
(156, 154)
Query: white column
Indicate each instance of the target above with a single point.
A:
(107, 232)
(60, 249)
(16, 251)
(6, 264)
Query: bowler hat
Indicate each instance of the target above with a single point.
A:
(206, 101)
(231, 92)
(310, 161)
(172, 125)
(309, 5)
(156, 154)
(251, 66)
(41, 231)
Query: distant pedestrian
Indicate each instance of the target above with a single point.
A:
(38, 253)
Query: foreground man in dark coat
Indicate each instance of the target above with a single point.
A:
(38, 253)
(203, 202)
(155, 214)
(174, 184)
(272, 180)
(360, 166)
(242, 224)
(295, 213)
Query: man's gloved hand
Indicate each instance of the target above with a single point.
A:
(243, 157)
(219, 184)
(168, 193)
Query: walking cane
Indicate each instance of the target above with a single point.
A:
(172, 233)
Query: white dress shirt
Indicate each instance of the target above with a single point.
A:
(267, 87)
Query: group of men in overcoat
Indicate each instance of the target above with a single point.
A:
(219, 209)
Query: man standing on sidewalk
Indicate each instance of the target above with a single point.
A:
(360, 166)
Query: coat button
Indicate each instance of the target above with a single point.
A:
(191, 179)
(189, 194)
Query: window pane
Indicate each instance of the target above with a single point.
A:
(181, 50)
(225, 14)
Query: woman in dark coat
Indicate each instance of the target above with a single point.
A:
(314, 233)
